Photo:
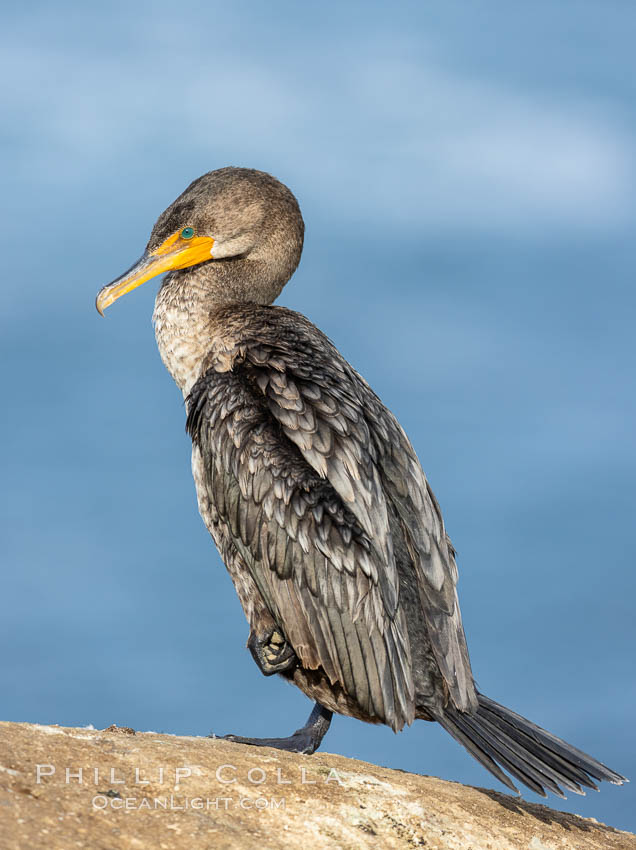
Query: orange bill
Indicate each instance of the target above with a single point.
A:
(175, 253)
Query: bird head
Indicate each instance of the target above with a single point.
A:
(236, 215)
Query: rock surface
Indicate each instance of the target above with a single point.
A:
(119, 790)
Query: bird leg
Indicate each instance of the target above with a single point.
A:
(272, 652)
(305, 740)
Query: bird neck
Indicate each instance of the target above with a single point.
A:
(185, 308)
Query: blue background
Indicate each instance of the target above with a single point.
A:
(467, 175)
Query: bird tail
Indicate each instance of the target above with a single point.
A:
(502, 740)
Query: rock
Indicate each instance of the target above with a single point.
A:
(120, 790)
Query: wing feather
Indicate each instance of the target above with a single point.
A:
(313, 562)
(308, 467)
(430, 548)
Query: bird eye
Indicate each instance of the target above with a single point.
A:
(187, 233)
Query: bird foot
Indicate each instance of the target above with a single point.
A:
(294, 744)
(305, 740)
(272, 652)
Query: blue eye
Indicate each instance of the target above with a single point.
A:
(187, 233)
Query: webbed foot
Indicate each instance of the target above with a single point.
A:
(272, 652)
(305, 740)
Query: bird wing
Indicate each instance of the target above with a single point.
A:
(429, 546)
(348, 436)
(306, 465)
(289, 468)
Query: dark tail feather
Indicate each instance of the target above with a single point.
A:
(498, 738)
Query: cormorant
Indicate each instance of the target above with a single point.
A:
(313, 493)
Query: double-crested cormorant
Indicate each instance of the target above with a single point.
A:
(313, 493)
